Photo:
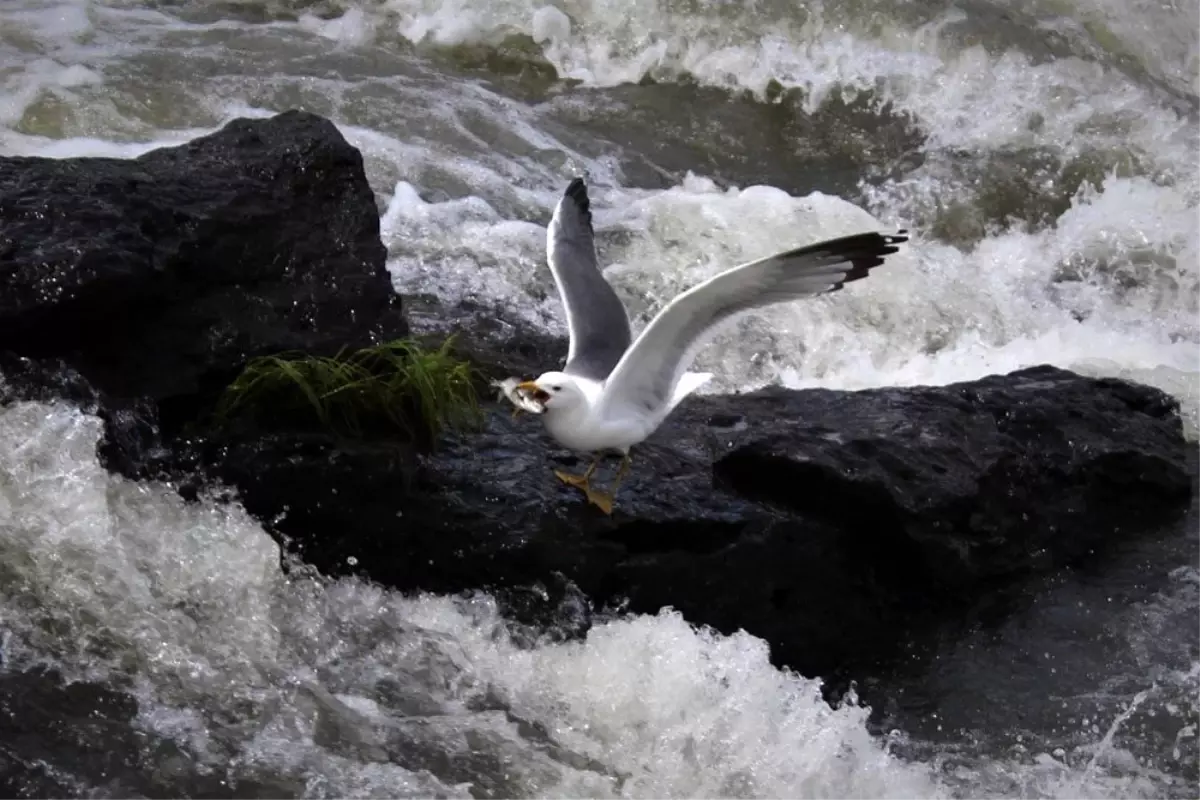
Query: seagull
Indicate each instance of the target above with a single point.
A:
(613, 391)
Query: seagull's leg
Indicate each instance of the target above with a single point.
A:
(604, 501)
(578, 481)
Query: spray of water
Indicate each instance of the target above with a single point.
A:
(1089, 260)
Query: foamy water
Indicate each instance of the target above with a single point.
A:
(189, 601)
(1111, 287)
(248, 667)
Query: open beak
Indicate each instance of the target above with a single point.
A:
(535, 391)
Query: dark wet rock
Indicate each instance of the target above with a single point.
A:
(156, 277)
(832, 524)
(987, 478)
(45, 381)
(131, 443)
(81, 739)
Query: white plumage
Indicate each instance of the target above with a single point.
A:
(612, 393)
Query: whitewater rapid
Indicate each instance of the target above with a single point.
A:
(1048, 174)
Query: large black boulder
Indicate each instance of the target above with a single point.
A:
(833, 524)
(156, 277)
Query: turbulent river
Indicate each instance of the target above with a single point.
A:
(1042, 151)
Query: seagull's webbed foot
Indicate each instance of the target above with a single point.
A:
(600, 500)
(578, 481)
(604, 500)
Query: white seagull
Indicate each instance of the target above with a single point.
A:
(614, 392)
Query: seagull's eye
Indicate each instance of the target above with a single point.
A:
(556, 388)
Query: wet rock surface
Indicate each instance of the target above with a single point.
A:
(838, 526)
(158, 276)
(833, 524)
(79, 739)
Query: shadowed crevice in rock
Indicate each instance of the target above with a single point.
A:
(696, 537)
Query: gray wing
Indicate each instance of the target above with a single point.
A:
(644, 380)
(596, 319)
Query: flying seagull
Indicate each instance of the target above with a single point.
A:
(613, 392)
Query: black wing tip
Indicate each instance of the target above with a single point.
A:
(578, 194)
(864, 251)
(861, 244)
(887, 242)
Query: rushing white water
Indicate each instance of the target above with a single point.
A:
(189, 600)
(190, 597)
(246, 666)
(1111, 287)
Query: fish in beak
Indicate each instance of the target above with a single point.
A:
(520, 394)
(531, 388)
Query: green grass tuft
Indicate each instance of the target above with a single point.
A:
(395, 387)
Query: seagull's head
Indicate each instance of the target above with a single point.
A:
(553, 390)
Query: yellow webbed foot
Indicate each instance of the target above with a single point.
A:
(603, 501)
(579, 481)
(600, 500)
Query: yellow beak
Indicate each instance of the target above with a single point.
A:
(532, 388)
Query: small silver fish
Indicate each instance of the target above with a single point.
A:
(518, 397)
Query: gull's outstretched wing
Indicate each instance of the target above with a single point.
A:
(597, 321)
(644, 381)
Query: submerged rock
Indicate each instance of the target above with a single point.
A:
(832, 524)
(65, 739)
